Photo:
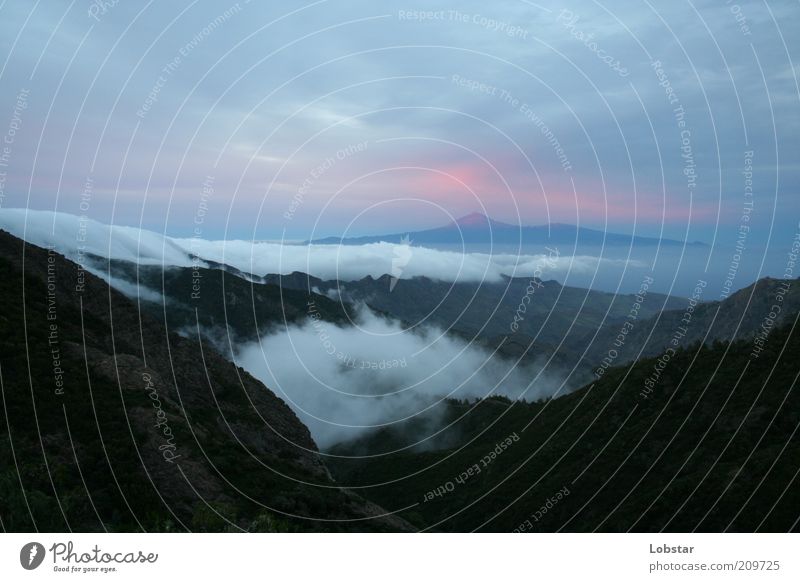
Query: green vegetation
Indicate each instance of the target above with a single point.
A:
(713, 448)
(109, 422)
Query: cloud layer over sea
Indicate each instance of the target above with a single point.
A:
(77, 238)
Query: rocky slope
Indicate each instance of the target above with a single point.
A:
(702, 440)
(111, 422)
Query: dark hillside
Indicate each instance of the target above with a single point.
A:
(110, 422)
(710, 445)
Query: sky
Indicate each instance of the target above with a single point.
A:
(299, 120)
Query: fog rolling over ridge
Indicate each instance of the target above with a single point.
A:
(343, 381)
(345, 378)
(79, 237)
(471, 253)
(425, 266)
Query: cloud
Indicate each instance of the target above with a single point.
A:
(75, 238)
(341, 380)
(130, 289)
(344, 381)
(330, 62)
(349, 263)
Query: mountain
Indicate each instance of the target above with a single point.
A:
(573, 329)
(220, 298)
(479, 229)
(517, 314)
(485, 308)
(112, 422)
(748, 313)
(710, 446)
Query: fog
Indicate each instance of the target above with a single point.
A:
(343, 381)
(77, 238)
(614, 269)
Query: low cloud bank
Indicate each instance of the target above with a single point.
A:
(78, 237)
(343, 381)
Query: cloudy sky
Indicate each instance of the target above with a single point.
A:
(318, 118)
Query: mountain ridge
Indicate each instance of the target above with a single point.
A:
(710, 448)
(478, 228)
(140, 429)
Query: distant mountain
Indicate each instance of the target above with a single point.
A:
(113, 423)
(478, 228)
(709, 445)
